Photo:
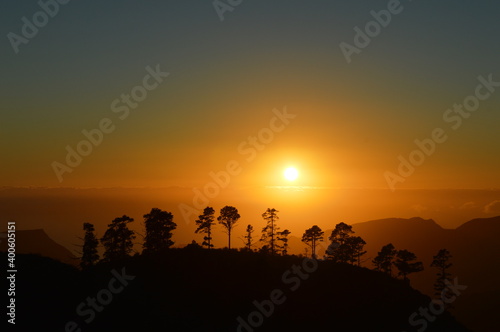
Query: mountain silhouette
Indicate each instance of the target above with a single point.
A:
(476, 258)
(36, 241)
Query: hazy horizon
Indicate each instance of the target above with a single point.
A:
(61, 212)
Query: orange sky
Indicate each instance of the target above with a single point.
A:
(266, 88)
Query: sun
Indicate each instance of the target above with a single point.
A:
(291, 174)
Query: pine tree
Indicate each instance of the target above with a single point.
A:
(384, 260)
(442, 263)
(249, 238)
(90, 256)
(205, 223)
(405, 262)
(228, 218)
(159, 226)
(338, 250)
(270, 231)
(117, 239)
(311, 237)
(355, 245)
(283, 238)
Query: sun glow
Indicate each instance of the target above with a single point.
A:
(291, 173)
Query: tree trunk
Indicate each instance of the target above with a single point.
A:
(313, 248)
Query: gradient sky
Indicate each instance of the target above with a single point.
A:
(353, 120)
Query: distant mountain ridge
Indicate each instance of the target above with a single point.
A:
(475, 248)
(36, 241)
(489, 223)
(473, 244)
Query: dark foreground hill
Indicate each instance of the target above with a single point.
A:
(217, 290)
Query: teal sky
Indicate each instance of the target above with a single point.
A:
(226, 77)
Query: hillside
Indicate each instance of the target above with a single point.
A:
(476, 258)
(474, 247)
(201, 290)
(475, 250)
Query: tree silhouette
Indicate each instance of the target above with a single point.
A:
(442, 263)
(355, 245)
(205, 223)
(385, 258)
(311, 237)
(283, 237)
(193, 246)
(341, 232)
(90, 242)
(338, 250)
(249, 238)
(159, 226)
(228, 218)
(265, 250)
(117, 240)
(405, 262)
(269, 232)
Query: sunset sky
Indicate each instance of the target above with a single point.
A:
(351, 120)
